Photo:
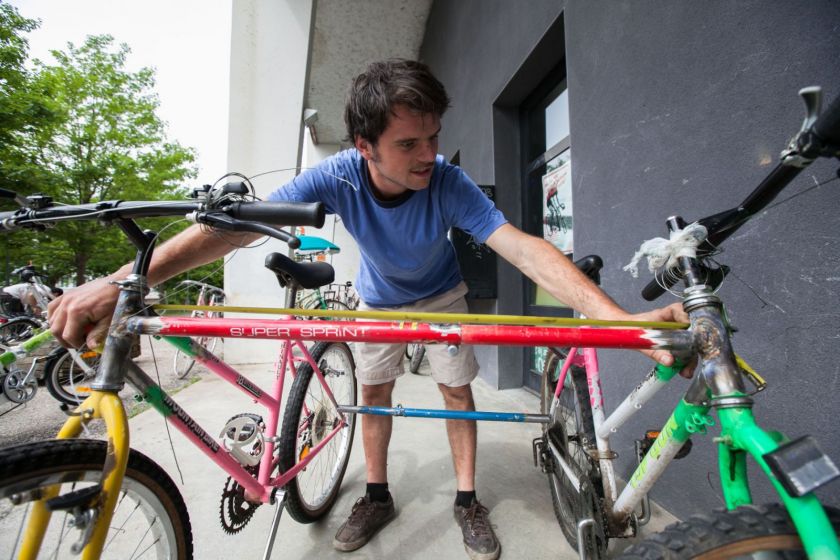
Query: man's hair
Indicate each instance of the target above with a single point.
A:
(375, 92)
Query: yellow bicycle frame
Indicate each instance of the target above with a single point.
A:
(108, 407)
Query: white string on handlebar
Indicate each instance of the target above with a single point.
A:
(665, 252)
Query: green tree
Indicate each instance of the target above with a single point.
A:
(105, 142)
(24, 111)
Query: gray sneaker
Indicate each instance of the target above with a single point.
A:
(366, 518)
(479, 539)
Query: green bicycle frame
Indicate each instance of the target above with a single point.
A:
(741, 435)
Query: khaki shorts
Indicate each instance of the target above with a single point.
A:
(380, 363)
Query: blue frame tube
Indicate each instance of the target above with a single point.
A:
(447, 414)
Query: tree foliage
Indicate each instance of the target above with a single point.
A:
(82, 129)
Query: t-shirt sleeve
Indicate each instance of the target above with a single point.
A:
(470, 209)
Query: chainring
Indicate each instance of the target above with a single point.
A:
(234, 510)
(18, 388)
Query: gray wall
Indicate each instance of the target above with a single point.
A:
(676, 108)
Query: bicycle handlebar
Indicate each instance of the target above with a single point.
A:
(821, 139)
(827, 126)
(209, 287)
(226, 217)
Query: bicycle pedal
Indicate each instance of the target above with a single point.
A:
(537, 446)
(644, 445)
(83, 499)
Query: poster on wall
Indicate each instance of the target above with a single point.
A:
(557, 206)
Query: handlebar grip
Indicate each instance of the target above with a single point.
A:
(280, 213)
(827, 126)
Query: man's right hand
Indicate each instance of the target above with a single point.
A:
(83, 314)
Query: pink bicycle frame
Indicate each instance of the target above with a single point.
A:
(295, 331)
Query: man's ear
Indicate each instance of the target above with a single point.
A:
(365, 148)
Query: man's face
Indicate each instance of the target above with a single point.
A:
(404, 156)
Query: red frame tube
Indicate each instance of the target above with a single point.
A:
(404, 332)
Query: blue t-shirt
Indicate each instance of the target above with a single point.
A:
(406, 254)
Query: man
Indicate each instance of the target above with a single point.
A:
(398, 199)
(31, 293)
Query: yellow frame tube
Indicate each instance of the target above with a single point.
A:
(109, 408)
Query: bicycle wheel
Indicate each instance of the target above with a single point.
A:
(764, 531)
(572, 433)
(415, 353)
(182, 364)
(17, 330)
(65, 380)
(309, 418)
(150, 519)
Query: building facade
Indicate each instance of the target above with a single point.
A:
(590, 123)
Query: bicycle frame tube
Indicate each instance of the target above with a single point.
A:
(658, 377)
(739, 435)
(686, 419)
(405, 332)
(262, 486)
(33, 343)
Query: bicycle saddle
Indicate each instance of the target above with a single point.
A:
(300, 275)
(591, 265)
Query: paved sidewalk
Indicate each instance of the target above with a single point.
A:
(421, 480)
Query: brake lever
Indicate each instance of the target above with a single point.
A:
(223, 221)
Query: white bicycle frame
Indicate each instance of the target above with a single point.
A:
(619, 506)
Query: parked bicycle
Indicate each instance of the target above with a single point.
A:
(207, 295)
(65, 373)
(334, 296)
(574, 449)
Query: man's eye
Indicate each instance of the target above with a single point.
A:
(407, 145)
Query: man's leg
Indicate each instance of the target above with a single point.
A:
(376, 508)
(480, 541)
(376, 431)
(462, 435)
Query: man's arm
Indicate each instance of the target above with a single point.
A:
(92, 304)
(552, 271)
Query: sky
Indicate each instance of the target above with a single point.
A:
(187, 42)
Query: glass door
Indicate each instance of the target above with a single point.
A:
(547, 194)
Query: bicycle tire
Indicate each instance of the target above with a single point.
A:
(416, 358)
(742, 532)
(17, 330)
(64, 378)
(148, 498)
(573, 432)
(308, 498)
(183, 363)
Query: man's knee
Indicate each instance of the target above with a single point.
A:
(459, 398)
(377, 395)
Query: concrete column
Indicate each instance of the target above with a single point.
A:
(269, 62)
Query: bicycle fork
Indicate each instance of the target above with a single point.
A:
(92, 507)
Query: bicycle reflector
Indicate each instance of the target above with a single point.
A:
(801, 466)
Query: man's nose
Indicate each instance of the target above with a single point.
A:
(428, 152)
